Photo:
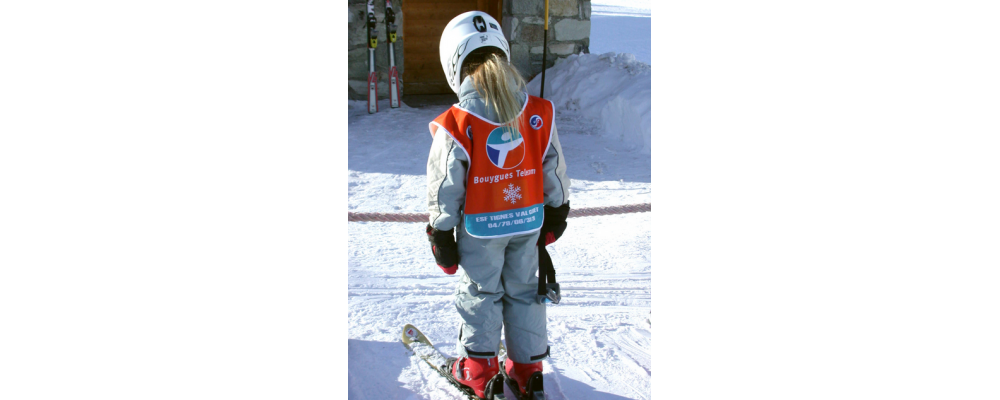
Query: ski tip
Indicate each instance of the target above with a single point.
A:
(411, 334)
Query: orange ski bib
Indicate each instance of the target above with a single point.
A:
(504, 183)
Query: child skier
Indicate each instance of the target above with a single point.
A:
(496, 172)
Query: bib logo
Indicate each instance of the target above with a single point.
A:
(505, 148)
(536, 122)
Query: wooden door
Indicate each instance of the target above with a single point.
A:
(425, 20)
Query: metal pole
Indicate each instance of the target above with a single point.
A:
(545, 48)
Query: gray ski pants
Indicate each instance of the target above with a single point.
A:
(498, 289)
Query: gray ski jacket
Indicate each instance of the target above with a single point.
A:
(447, 165)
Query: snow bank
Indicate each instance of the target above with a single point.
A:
(622, 34)
(631, 8)
(612, 90)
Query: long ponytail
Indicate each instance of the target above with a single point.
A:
(499, 83)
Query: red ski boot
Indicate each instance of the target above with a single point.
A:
(524, 376)
(474, 372)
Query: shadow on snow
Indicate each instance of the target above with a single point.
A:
(373, 370)
(573, 389)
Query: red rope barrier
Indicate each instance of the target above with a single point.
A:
(573, 213)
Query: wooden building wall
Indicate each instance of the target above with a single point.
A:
(425, 20)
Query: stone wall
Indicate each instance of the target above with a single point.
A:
(357, 49)
(524, 25)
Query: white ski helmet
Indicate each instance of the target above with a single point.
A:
(463, 34)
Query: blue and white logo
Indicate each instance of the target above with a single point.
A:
(536, 122)
(505, 147)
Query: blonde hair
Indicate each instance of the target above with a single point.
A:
(499, 83)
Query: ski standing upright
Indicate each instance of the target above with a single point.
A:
(372, 42)
(390, 33)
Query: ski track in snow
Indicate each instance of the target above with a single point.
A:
(600, 333)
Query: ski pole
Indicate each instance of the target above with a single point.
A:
(545, 48)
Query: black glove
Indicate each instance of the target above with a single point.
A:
(554, 224)
(444, 248)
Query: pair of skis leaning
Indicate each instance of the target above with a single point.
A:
(415, 340)
(390, 27)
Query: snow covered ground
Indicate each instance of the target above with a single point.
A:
(632, 8)
(622, 27)
(600, 335)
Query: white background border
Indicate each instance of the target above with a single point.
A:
(173, 196)
(825, 210)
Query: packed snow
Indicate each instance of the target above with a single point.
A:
(632, 8)
(600, 334)
(622, 27)
(623, 34)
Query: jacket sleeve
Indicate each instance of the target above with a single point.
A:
(556, 183)
(446, 169)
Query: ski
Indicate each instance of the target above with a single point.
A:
(372, 42)
(390, 35)
(415, 341)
